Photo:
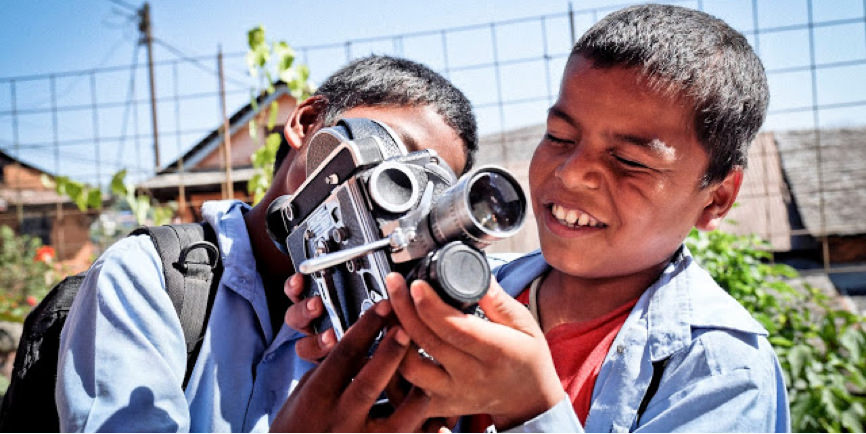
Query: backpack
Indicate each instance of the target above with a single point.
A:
(192, 270)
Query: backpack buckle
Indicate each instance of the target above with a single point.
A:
(212, 253)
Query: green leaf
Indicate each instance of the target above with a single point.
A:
(798, 357)
(272, 114)
(256, 37)
(118, 183)
(853, 341)
(94, 199)
(285, 56)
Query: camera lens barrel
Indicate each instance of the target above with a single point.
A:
(484, 206)
(459, 273)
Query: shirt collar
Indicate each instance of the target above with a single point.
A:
(683, 288)
(227, 218)
(687, 289)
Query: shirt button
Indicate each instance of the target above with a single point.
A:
(620, 349)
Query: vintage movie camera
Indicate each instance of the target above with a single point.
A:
(369, 207)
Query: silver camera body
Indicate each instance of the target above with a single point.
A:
(369, 207)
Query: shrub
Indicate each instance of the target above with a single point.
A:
(26, 273)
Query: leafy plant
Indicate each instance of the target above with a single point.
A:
(88, 197)
(26, 273)
(84, 196)
(265, 61)
(144, 211)
(822, 348)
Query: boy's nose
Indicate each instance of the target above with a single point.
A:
(580, 170)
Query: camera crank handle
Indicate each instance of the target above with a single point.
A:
(328, 260)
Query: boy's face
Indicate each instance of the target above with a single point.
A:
(615, 182)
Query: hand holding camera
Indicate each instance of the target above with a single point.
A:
(369, 207)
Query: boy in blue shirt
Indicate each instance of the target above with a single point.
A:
(648, 139)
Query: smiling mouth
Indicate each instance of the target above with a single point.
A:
(573, 218)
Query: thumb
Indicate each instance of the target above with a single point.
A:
(503, 309)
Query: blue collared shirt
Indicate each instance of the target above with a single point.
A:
(123, 358)
(720, 374)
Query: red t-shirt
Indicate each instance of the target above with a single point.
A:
(578, 350)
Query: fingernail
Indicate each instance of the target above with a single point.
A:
(311, 304)
(401, 337)
(416, 291)
(327, 338)
(444, 430)
(383, 309)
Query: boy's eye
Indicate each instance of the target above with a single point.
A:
(630, 163)
(555, 139)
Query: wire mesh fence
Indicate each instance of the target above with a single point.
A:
(807, 176)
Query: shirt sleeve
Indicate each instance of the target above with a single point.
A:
(122, 353)
(741, 390)
(559, 418)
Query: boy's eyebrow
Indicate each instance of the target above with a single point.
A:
(655, 145)
(555, 111)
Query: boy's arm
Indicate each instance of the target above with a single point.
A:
(500, 367)
(122, 353)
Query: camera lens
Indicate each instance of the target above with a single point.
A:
(483, 206)
(495, 202)
(393, 187)
(460, 274)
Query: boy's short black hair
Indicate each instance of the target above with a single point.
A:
(393, 82)
(697, 56)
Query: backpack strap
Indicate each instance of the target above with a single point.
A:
(192, 268)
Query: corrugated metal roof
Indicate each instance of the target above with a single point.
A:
(826, 171)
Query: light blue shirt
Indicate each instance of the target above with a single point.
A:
(123, 358)
(721, 373)
(122, 353)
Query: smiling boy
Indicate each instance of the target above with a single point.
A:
(625, 332)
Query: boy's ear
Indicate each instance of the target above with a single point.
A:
(305, 118)
(722, 197)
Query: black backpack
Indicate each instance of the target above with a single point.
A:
(192, 269)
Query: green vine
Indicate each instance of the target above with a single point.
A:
(265, 61)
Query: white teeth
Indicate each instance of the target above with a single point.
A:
(559, 212)
(573, 217)
(584, 219)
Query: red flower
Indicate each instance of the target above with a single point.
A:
(44, 254)
(31, 300)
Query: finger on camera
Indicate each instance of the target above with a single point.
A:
(300, 316)
(461, 331)
(316, 347)
(294, 287)
(424, 373)
(501, 308)
(349, 354)
(406, 312)
(373, 378)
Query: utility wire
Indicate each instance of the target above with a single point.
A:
(124, 4)
(180, 54)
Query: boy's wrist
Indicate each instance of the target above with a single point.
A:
(530, 411)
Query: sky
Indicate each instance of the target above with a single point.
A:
(46, 38)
